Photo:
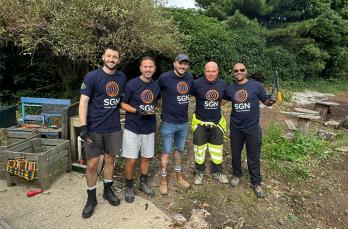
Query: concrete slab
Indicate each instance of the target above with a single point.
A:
(62, 208)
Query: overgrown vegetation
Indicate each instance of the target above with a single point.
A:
(291, 157)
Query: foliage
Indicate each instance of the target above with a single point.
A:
(70, 35)
(313, 32)
(208, 39)
(289, 156)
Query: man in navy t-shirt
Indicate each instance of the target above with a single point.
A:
(244, 125)
(139, 101)
(208, 124)
(101, 93)
(175, 88)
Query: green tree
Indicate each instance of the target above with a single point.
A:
(73, 32)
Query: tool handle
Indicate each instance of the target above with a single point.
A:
(33, 193)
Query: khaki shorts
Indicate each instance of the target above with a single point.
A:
(110, 143)
(134, 143)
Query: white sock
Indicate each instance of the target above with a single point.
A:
(107, 181)
(91, 188)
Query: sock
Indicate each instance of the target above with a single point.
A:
(129, 183)
(107, 181)
(92, 188)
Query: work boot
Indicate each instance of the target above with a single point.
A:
(145, 187)
(235, 181)
(198, 178)
(221, 177)
(109, 195)
(164, 185)
(91, 203)
(181, 181)
(129, 192)
(258, 191)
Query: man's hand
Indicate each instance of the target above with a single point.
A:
(273, 98)
(144, 112)
(84, 134)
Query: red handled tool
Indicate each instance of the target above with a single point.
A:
(33, 193)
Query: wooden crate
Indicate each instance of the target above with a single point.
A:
(52, 157)
(11, 137)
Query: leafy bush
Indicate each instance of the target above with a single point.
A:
(289, 156)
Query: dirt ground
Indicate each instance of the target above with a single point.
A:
(319, 201)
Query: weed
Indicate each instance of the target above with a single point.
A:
(289, 157)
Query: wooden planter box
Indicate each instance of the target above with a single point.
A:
(11, 137)
(52, 157)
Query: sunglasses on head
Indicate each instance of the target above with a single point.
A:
(239, 70)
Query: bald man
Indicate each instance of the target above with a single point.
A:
(208, 124)
(245, 95)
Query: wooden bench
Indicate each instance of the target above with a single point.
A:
(323, 107)
(49, 108)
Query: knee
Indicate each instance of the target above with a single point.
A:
(108, 158)
(92, 164)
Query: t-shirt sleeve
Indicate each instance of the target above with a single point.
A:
(87, 85)
(160, 81)
(225, 95)
(262, 93)
(127, 94)
(193, 89)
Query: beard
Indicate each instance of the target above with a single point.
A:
(110, 65)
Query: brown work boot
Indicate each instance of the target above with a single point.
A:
(164, 185)
(181, 181)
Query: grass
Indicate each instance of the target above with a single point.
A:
(292, 158)
(333, 86)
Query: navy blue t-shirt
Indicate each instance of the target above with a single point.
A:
(245, 103)
(105, 92)
(175, 96)
(141, 95)
(208, 98)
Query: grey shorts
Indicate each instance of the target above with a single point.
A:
(110, 143)
(134, 143)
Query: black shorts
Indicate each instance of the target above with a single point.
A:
(208, 134)
(110, 143)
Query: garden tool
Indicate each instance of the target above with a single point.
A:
(276, 94)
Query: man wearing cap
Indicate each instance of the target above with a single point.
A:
(175, 87)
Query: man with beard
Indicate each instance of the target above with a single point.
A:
(139, 101)
(245, 95)
(175, 88)
(208, 124)
(101, 92)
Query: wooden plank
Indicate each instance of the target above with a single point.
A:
(303, 110)
(58, 156)
(73, 137)
(22, 146)
(43, 172)
(58, 173)
(63, 162)
(290, 124)
(16, 134)
(325, 102)
(68, 111)
(3, 133)
(66, 102)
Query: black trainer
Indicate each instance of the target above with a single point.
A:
(129, 192)
(109, 195)
(91, 204)
(145, 187)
